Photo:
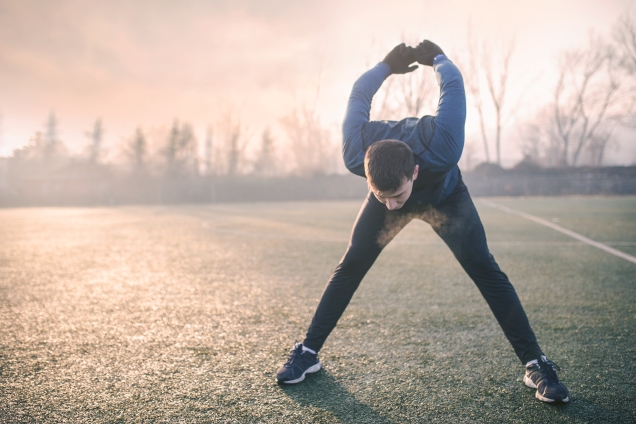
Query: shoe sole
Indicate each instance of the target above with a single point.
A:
(528, 382)
(309, 370)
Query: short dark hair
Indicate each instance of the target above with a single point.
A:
(388, 163)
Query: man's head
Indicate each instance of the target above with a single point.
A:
(390, 169)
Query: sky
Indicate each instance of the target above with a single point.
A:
(146, 63)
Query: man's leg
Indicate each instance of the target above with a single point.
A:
(374, 228)
(457, 222)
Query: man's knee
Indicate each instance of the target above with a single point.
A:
(356, 262)
(479, 263)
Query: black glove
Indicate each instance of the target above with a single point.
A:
(400, 58)
(426, 51)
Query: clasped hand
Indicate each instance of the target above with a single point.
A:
(402, 57)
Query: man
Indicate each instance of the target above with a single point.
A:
(411, 169)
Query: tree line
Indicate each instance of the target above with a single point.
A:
(175, 152)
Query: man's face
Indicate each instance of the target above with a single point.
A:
(396, 199)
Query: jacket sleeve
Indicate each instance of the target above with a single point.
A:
(357, 116)
(442, 136)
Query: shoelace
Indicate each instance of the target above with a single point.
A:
(554, 366)
(296, 351)
(550, 372)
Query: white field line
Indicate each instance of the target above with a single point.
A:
(561, 230)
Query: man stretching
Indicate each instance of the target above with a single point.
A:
(411, 169)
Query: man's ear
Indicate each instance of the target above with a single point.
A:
(415, 171)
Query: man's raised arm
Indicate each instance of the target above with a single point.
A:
(444, 148)
(396, 62)
(357, 115)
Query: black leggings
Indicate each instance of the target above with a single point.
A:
(456, 221)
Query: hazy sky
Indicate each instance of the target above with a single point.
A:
(147, 62)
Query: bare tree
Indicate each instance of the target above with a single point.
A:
(265, 164)
(587, 102)
(497, 86)
(234, 149)
(95, 137)
(624, 37)
(530, 142)
(181, 151)
(539, 139)
(171, 148)
(310, 143)
(234, 136)
(590, 99)
(51, 129)
(624, 33)
(50, 135)
(140, 150)
(487, 82)
(597, 146)
(208, 151)
(134, 151)
(55, 152)
(473, 84)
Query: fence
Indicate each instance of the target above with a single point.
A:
(107, 189)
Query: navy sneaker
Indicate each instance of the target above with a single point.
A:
(298, 364)
(541, 375)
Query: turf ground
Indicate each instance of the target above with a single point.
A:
(183, 314)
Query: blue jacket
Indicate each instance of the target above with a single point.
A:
(437, 141)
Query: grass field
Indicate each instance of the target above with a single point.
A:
(183, 314)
